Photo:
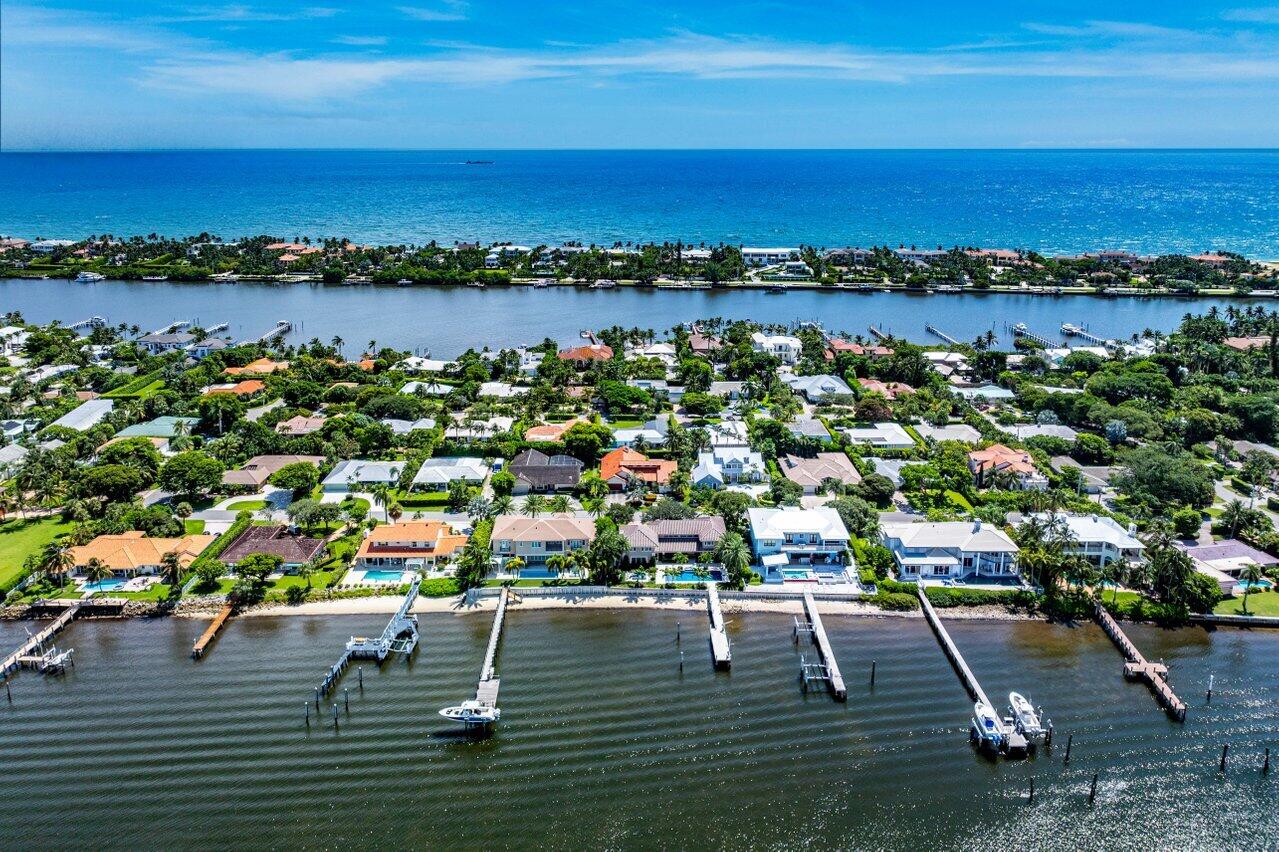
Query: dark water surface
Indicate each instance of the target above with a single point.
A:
(449, 320)
(605, 744)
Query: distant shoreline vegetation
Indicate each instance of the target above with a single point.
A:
(335, 261)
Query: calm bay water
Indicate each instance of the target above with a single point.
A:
(449, 320)
(605, 744)
(1052, 201)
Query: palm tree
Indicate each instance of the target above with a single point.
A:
(338, 343)
(95, 570)
(171, 569)
(735, 556)
(1250, 574)
(394, 511)
(593, 505)
(1233, 516)
(58, 561)
(514, 564)
(502, 505)
(558, 562)
(306, 570)
(534, 505)
(558, 504)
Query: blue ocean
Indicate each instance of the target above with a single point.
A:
(1049, 201)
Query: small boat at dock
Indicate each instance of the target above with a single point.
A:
(87, 277)
(1025, 719)
(987, 729)
(471, 713)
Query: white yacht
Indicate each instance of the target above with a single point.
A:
(1025, 719)
(87, 277)
(472, 713)
(987, 730)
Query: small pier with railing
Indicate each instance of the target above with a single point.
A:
(90, 323)
(33, 654)
(399, 637)
(879, 334)
(1021, 330)
(1137, 667)
(721, 648)
(824, 670)
(280, 328)
(1079, 331)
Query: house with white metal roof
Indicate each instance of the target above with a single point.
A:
(951, 550)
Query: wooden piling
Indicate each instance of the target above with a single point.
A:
(1225, 750)
(1070, 740)
(1092, 793)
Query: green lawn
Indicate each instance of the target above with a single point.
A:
(193, 527)
(319, 580)
(959, 500)
(157, 593)
(247, 506)
(18, 538)
(1259, 603)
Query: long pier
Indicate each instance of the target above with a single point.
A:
(219, 620)
(721, 650)
(952, 652)
(879, 335)
(399, 637)
(828, 669)
(281, 327)
(1079, 331)
(1136, 666)
(932, 329)
(487, 688)
(26, 652)
(1020, 330)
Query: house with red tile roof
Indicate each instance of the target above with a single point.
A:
(624, 465)
(584, 356)
(998, 460)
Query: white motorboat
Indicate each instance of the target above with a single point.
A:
(87, 277)
(1025, 719)
(987, 729)
(472, 713)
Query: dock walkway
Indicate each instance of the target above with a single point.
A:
(197, 650)
(952, 652)
(399, 637)
(487, 688)
(1136, 666)
(829, 668)
(27, 650)
(721, 650)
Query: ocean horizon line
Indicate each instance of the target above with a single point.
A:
(603, 149)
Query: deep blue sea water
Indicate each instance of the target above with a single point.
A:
(1051, 201)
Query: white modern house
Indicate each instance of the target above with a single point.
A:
(817, 388)
(783, 347)
(787, 541)
(357, 474)
(1100, 539)
(951, 550)
(722, 466)
(888, 436)
(767, 256)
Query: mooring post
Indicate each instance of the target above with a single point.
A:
(1048, 741)
(681, 661)
(306, 705)
(346, 694)
(872, 672)
(360, 673)
(1225, 750)
(1070, 740)
(1265, 764)
(1032, 790)
(1092, 793)
(1210, 679)
(335, 717)
(8, 693)
(677, 632)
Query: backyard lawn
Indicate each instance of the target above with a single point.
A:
(18, 538)
(247, 506)
(1259, 603)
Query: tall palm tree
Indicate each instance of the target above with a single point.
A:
(558, 504)
(734, 555)
(95, 570)
(394, 511)
(534, 505)
(57, 560)
(1250, 574)
(338, 343)
(1233, 516)
(593, 505)
(171, 569)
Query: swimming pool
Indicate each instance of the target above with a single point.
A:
(797, 575)
(688, 575)
(1260, 585)
(538, 574)
(108, 585)
(383, 576)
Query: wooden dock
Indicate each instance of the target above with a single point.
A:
(952, 652)
(399, 637)
(829, 669)
(1137, 667)
(197, 650)
(35, 643)
(932, 329)
(721, 650)
(487, 688)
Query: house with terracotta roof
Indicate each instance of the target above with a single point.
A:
(537, 539)
(131, 554)
(703, 344)
(625, 465)
(260, 367)
(892, 390)
(550, 431)
(300, 424)
(408, 545)
(246, 388)
(1245, 344)
(998, 461)
(834, 346)
(584, 356)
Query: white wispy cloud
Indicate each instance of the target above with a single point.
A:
(1112, 29)
(446, 10)
(241, 13)
(360, 41)
(1254, 15)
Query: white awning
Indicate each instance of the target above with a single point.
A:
(775, 559)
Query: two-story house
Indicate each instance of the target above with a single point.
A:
(720, 466)
(535, 540)
(786, 538)
(663, 539)
(783, 347)
(409, 545)
(951, 550)
(1099, 539)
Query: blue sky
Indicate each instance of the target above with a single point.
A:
(608, 74)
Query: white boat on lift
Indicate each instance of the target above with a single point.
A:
(472, 713)
(1025, 719)
(987, 729)
(87, 277)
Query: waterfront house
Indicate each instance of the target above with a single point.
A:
(355, 474)
(624, 465)
(437, 474)
(86, 415)
(418, 364)
(788, 537)
(783, 347)
(887, 436)
(536, 472)
(256, 471)
(653, 540)
(817, 388)
(1225, 561)
(131, 554)
(703, 345)
(158, 344)
(998, 462)
(951, 550)
(409, 545)
(725, 465)
(583, 356)
(1099, 539)
(836, 346)
(300, 425)
(204, 348)
(535, 540)
(768, 256)
(810, 474)
(293, 548)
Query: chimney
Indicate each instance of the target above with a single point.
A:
(977, 525)
(1132, 529)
